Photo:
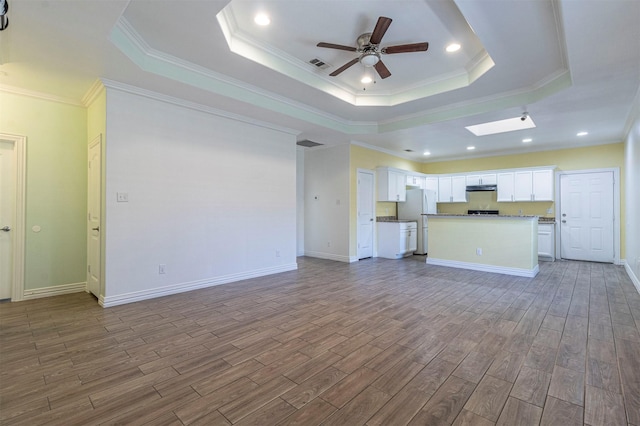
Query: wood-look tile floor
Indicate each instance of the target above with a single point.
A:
(378, 342)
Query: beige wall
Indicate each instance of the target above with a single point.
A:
(56, 187)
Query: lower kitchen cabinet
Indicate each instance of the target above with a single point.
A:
(546, 241)
(397, 239)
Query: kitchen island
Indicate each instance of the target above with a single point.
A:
(491, 243)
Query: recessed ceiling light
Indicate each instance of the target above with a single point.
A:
(453, 47)
(527, 140)
(582, 134)
(262, 19)
(426, 153)
(502, 126)
(471, 148)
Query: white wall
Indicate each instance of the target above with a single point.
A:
(326, 192)
(632, 198)
(212, 198)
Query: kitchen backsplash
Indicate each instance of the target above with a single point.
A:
(488, 201)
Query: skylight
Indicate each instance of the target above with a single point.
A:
(502, 126)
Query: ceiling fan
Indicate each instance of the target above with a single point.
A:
(369, 49)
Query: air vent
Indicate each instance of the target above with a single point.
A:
(319, 63)
(308, 144)
(408, 150)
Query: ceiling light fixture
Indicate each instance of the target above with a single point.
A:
(369, 59)
(582, 133)
(261, 19)
(426, 153)
(527, 140)
(453, 47)
(4, 19)
(471, 148)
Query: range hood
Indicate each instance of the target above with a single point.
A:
(479, 188)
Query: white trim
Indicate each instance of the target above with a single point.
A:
(331, 256)
(94, 91)
(55, 290)
(616, 207)
(634, 279)
(39, 95)
(530, 273)
(20, 170)
(121, 299)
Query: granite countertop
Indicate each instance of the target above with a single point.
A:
(546, 220)
(390, 219)
(481, 216)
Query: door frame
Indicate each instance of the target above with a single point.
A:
(18, 246)
(374, 249)
(616, 208)
(97, 141)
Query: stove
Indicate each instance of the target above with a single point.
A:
(494, 212)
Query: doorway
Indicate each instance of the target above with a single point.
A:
(94, 214)
(588, 215)
(12, 223)
(365, 213)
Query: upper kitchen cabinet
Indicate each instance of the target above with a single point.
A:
(417, 181)
(431, 183)
(481, 179)
(391, 184)
(526, 185)
(452, 189)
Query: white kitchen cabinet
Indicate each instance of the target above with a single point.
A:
(452, 189)
(506, 186)
(431, 183)
(391, 185)
(397, 239)
(417, 181)
(481, 179)
(546, 241)
(525, 185)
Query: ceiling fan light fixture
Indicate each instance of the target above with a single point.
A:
(369, 59)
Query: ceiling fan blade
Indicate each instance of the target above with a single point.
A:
(344, 67)
(378, 32)
(406, 48)
(383, 71)
(337, 46)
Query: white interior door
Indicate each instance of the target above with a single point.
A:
(7, 216)
(94, 208)
(586, 216)
(366, 214)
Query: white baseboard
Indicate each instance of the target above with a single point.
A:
(530, 273)
(136, 296)
(56, 290)
(633, 276)
(329, 256)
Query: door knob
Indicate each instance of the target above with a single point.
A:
(371, 220)
(5, 229)
(564, 221)
(97, 228)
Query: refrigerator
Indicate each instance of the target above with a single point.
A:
(419, 202)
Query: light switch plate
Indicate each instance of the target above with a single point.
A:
(122, 197)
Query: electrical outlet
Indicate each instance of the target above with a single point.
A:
(277, 253)
(479, 252)
(549, 211)
(162, 268)
(122, 197)
(329, 244)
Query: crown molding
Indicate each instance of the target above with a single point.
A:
(123, 87)
(39, 95)
(93, 92)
